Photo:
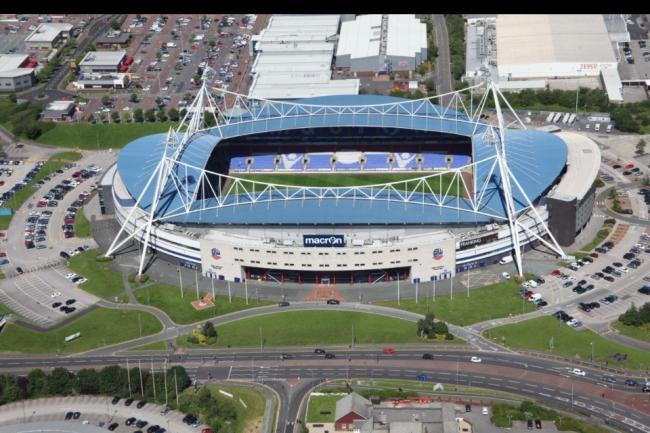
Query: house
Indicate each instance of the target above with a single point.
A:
(59, 111)
(349, 409)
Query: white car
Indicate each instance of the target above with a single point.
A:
(55, 294)
(532, 283)
(70, 275)
(578, 372)
(73, 252)
(476, 359)
(81, 281)
(485, 411)
(505, 275)
(623, 269)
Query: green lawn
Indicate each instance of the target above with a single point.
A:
(102, 280)
(322, 403)
(81, 225)
(180, 310)
(56, 162)
(354, 179)
(98, 328)
(600, 236)
(639, 332)
(100, 136)
(489, 302)
(536, 334)
(313, 328)
(251, 414)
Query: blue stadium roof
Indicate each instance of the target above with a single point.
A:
(536, 159)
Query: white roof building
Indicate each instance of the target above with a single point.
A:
(47, 33)
(550, 46)
(382, 42)
(294, 59)
(10, 67)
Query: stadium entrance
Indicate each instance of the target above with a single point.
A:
(327, 277)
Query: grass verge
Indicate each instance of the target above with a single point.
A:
(357, 179)
(313, 328)
(56, 162)
(102, 280)
(503, 299)
(250, 414)
(168, 298)
(81, 225)
(322, 407)
(536, 334)
(98, 328)
(638, 332)
(100, 136)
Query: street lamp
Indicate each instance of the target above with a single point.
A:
(592, 351)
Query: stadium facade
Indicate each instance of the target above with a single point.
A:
(289, 191)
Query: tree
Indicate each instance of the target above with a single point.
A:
(613, 194)
(159, 101)
(631, 317)
(37, 383)
(133, 98)
(425, 326)
(138, 115)
(160, 115)
(181, 376)
(9, 389)
(209, 330)
(12, 97)
(59, 382)
(183, 112)
(640, 147)
(102, 117)
(115, 25)
(150, 115)
(126, 116)
(115, 117)
(173, 114)
(106, 99)
(112, 380)
(87, 381)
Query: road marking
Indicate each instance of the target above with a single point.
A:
(229, 372)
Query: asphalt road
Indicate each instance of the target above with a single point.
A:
(541, 380)
(444, 83)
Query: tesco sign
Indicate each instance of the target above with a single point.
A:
(323, 241)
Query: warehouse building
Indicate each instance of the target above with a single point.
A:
(14, 75)
(293, 59)
(102, 62)
(47, 36)
(382, 43)
(542, 51)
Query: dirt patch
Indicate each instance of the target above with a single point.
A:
(254, 425)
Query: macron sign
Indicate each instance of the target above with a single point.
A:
(323, 241)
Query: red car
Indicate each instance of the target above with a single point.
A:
(555, 273)
(68, 234)
(3, 234)
(594, 255)
(3, 254)
(389, 351)
(630, 165)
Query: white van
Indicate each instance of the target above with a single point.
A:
(535, 297)
(609, 128)
(505, 260)
(532, 283)
(597, 127)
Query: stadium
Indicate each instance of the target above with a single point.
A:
(349, 189)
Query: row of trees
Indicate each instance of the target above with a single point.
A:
(456, 31)
(111, 381)
(636, 316)
(631, 117)
(588, 99)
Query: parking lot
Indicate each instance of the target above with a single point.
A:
(33, 294)
(93, 411)
(177, 49)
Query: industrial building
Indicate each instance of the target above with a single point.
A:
(113, 38)
(102, 62)
(533, 51)
(59, 111)
(382, 43)
(293, 59)
(47, 36)
(13, 73)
